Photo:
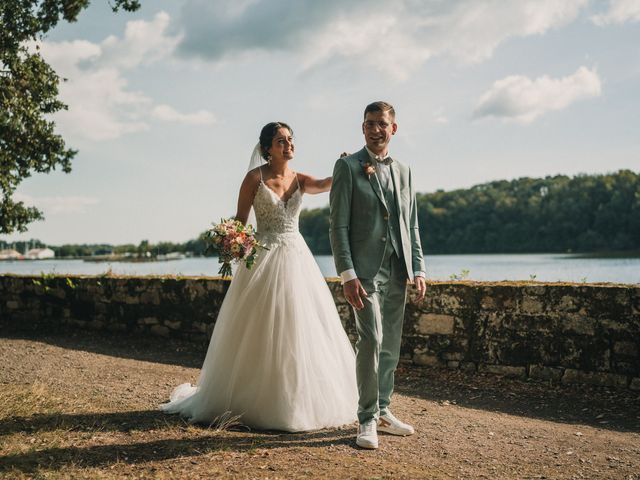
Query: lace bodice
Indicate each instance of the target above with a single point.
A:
(275, 217)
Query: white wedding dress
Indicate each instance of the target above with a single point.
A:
(278, 356)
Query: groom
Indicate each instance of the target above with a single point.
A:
(376, 248)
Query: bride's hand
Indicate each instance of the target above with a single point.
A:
(344, 154)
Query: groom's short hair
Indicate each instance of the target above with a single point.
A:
(380, 106)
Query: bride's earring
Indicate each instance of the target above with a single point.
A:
(269, 160)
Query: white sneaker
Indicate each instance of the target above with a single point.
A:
(390, 424)
(367, 435)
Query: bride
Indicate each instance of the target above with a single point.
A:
(278, 356)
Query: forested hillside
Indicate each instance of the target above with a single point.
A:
(585, 213)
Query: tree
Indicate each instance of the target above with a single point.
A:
(144, 248)
(586, 213)
(28, 96)
(314, 227)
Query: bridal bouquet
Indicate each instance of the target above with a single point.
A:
(235, 242)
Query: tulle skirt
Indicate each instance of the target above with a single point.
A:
(279, 357)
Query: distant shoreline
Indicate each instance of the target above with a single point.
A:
(608, 254)
(100, 258)
(131, 259)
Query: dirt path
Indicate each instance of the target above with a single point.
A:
(82, 405)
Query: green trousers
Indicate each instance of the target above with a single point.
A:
(379, 326)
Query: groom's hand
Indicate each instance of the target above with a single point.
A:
(421, 287)
(353, 292)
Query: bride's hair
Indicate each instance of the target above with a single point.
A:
(267, 135)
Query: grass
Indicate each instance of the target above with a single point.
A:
(46, 435)
(49, 436)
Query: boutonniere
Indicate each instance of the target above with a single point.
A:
(369, 169)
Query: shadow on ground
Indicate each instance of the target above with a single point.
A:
(607, 408)
(125, 422)
(149, 349)
(157, 450)
(600, 407)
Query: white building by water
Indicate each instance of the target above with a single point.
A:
(10, 254)
(39, 254)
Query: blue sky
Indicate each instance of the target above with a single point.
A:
(166, 104)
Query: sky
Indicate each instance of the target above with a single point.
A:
(166, 104)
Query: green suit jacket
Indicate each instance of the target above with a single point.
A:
(359, 217)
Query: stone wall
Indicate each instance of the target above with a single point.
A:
(569, 333)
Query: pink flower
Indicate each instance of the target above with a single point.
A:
(368, 168)
(234, 242)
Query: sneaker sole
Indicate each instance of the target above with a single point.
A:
(367, 446)
(395, 432)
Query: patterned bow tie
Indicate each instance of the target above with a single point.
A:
(385, 161)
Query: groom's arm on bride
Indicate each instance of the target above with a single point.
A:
(313, 185)
(247, 192)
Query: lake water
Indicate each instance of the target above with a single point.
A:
(540, 267)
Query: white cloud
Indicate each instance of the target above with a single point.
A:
(620, 11)
(66, 55)
(143, 43)
(521, 99)
(471, 30)
(101, 104)
(58, 204)
(394, 36)
(169, 114)
(379, 42)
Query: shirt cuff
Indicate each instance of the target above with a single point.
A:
(420, 274)
(348, 275)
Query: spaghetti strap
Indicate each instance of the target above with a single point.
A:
(297, 181)
(260, 170)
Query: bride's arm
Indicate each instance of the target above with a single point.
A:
(247, 192)
(314, 185)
